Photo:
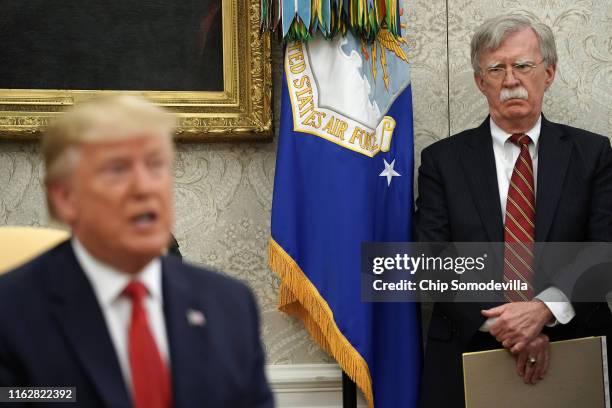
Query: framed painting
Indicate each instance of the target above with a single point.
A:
(203, 59)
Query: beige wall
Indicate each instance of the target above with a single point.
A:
(223, 191)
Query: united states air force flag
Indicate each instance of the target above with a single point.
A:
(344, 174)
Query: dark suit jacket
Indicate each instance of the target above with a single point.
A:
(53, 333)
(459, 201)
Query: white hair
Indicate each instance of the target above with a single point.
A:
(494, 31)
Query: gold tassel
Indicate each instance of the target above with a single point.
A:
(300, 298)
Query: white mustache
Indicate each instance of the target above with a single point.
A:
(515, 93)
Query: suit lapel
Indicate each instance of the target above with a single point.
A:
(553, 158)
(78, 313)
(479, 165)
(188, 336)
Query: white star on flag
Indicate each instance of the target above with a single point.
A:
(388, 172)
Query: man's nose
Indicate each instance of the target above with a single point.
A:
(510, 79)
(144, 180)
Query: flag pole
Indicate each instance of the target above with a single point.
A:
(349, 392)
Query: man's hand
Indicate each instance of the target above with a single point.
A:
(518, 323)
(538, 350)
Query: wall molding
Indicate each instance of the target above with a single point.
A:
(307, 385)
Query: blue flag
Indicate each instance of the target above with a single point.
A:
(344, 173)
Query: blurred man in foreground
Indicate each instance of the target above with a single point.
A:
(105, 312)
(519, 179)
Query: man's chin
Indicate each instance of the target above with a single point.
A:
(150, 247)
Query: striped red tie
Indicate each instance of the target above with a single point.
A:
(519, 228)
(150, 377)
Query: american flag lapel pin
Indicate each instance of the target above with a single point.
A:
(196, 318)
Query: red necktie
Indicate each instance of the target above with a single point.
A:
(519, 228)
(150, 377)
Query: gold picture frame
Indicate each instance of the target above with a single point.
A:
(240, 112)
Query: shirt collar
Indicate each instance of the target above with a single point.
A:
(501, 137)
(109, 282)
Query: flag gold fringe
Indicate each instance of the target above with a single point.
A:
(300, 298)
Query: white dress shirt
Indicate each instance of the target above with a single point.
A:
(506, 153)
(108, 284)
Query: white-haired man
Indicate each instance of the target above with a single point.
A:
(517, 178)
(105, 311)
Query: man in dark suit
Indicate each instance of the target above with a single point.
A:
(105, 312)
(517, 178)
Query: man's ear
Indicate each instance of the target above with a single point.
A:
(61, 198)
(479, 81)
(550, 72)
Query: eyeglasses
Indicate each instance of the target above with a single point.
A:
(519, 69)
